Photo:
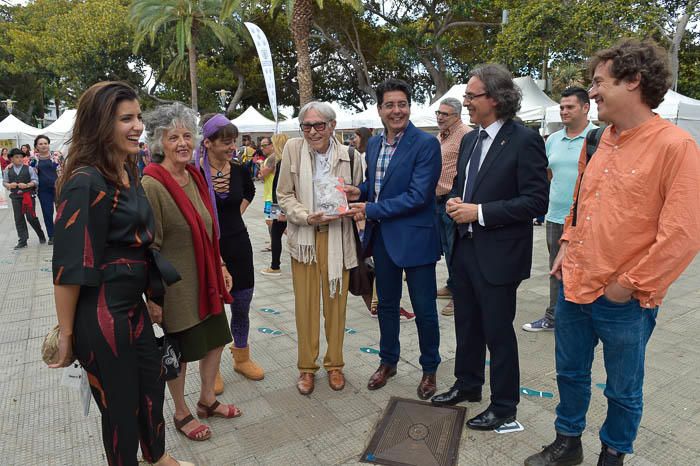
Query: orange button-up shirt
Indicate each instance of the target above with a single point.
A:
(638, 216)
(449, 146)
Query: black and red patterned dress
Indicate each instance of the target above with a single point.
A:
(101, 243)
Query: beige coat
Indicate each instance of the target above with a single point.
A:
(295, 210)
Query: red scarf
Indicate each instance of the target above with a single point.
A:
(206, 252)
(27, 204)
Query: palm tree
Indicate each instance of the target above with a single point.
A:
(300, 13)
(190, 19)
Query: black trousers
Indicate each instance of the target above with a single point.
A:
(21, 220)
(115, 344)
(484, 315)
(276, 232)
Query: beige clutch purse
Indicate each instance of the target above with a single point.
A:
(49, 349)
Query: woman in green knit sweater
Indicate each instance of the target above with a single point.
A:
(186, 235)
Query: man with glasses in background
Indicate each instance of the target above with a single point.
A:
(452, 130)
(398, 201)
(501, 185)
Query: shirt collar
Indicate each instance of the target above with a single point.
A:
(447, 132)
(630, 133)
(397, 138)
(582, 134)
(493, 129)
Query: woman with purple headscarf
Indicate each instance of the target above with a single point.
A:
(232, 191)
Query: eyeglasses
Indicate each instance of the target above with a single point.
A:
(445, 114)
(391, 105)
(318, 126)
(266, 145)
(470, 97)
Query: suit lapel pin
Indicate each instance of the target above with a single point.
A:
(503, 143)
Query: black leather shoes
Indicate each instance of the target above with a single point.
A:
(488, 420)
(20, 246)
(455, 395)
(564, 451)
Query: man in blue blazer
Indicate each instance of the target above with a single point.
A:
(501, 185)
(398, 194)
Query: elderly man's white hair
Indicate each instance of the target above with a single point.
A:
(323, 108)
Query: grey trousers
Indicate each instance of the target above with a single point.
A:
(553, 232)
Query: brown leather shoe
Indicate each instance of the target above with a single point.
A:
(305, 384)
(427, 386)
(380, 376)
(336, 379)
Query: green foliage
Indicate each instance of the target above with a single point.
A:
(689, 58)
(66, 46)
(544, 33)
(52, 50)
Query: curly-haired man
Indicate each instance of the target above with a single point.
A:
(632, 231)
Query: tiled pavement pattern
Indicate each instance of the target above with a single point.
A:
(41, 422)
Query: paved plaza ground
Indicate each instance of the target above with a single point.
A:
(41, 423)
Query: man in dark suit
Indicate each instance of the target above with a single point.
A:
(501, 185)
(403, 168)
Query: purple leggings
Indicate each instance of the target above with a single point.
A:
(240, 323)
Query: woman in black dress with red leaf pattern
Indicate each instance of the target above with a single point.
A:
(102, 266)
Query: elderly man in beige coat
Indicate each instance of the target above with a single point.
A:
(322, 247)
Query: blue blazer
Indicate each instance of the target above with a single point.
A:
(405, 208)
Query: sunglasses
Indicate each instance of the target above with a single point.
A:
(318, 126)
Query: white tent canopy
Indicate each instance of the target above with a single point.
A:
(533, 105)
(677, 108)
(61, 130)
(252, 121)
(17, 130)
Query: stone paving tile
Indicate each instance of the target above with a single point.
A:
(42, 422)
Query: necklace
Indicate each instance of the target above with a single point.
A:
(219, 171)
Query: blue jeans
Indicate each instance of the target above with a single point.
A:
(46, 199)
(422, 290)
(624, 330)
(447, 238)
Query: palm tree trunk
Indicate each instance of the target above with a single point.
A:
(192, 58)
(301, 28)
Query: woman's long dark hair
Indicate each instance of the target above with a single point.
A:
(92, 143)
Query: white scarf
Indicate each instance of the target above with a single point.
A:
(306, 239)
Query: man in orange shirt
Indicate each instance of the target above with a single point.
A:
(633, 229)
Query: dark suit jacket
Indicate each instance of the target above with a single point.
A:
(406, 204)
(512, 188)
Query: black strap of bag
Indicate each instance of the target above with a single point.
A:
(592, 141)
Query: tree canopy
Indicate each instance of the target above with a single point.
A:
(52, 50)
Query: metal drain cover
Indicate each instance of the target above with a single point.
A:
(413, 432)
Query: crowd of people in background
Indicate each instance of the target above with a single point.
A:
(165, 220)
